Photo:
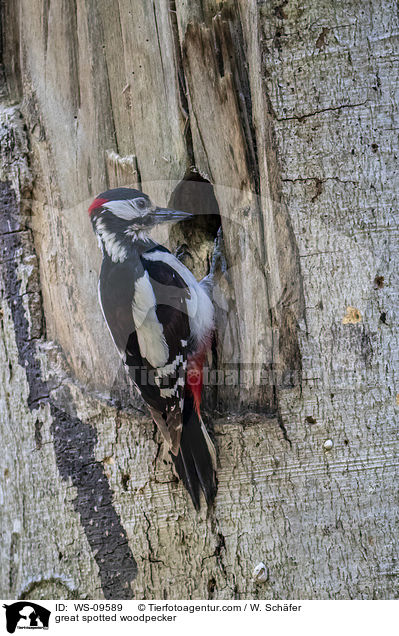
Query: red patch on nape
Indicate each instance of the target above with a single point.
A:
(97, 203)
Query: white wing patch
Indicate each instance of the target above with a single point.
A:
(170, 369)
(199, 305)
(150, 333)
(174, 391)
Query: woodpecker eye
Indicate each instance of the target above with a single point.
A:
(141, 204)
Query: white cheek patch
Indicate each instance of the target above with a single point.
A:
(150, 333)
(114, 249)
(124, 209)
(137, 235)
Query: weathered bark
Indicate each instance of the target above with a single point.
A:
(289, 111)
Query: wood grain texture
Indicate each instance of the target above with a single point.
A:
(290, 110)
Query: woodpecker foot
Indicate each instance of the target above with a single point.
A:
(218, 262)
(218, 257)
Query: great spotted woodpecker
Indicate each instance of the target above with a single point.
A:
(161, 320)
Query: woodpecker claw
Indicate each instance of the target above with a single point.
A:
(181, 252)
(218, 261)
(218, 258)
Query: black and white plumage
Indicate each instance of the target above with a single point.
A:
(161, 320)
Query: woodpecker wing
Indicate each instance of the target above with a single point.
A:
(162, 332)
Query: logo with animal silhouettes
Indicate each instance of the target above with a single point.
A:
(26, 615)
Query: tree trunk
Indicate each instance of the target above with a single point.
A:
(276, 120)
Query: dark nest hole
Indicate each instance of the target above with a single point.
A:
(193, 240)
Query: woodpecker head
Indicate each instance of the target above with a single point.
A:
(132, 210)
(124, 215)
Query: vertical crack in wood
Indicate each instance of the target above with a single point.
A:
(182, 83)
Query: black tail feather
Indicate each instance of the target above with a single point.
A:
(194, 463)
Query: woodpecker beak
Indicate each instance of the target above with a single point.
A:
(164, 215)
